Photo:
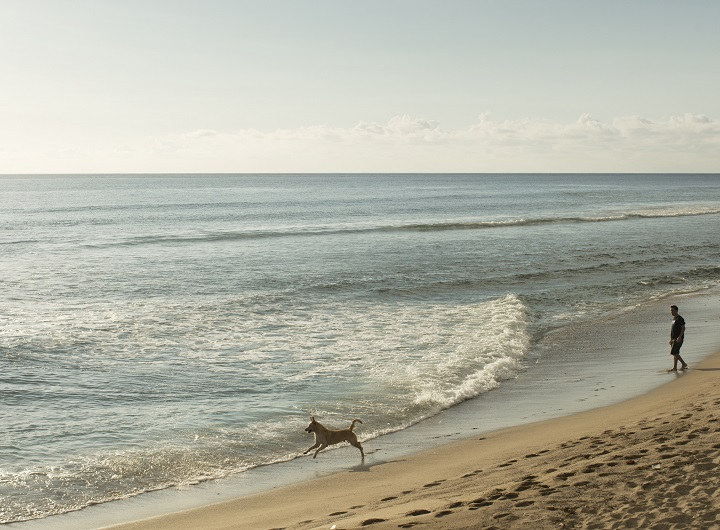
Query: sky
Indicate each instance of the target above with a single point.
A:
(298, 86)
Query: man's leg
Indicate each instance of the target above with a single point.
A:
(675, 361)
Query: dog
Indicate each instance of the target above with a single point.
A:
(325, 436)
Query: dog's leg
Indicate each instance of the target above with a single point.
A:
(323, 446)
(311, 448)
(357, 444)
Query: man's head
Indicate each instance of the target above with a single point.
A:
(674, 310)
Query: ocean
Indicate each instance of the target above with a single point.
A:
(161, 331)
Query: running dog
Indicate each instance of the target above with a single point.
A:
(325, 436)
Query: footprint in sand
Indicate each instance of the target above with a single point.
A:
(368, 522)
(708, 466)
(443, 513)
(632, 457)
(548, 491)
(415, 513)
(523, 504)
(432, 484)
(336, 513)
(388, 498)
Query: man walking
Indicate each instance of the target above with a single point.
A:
(677, 334)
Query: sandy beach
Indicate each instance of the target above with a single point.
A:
(651, 461)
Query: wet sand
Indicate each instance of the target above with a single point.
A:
(653, 460)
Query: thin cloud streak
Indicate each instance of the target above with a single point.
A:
(686, 143)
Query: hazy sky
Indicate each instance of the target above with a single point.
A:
(116, 86)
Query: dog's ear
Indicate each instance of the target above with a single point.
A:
(312, 419)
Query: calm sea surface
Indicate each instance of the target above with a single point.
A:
(158, 331)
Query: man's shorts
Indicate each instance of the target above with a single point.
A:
(675, 350)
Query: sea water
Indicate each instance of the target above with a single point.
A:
(163, 330)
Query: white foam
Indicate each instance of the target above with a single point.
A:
(484, 349)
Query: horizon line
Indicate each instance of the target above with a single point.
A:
(340, 173)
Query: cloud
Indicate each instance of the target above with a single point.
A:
(680, 143)
(399, 127)
(683, 143)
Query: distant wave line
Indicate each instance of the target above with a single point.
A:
(412, 227)
(19, 242)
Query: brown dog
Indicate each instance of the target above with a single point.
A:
(325, 436)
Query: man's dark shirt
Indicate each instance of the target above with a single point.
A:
(678, 323)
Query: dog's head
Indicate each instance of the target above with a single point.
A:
(311, 427)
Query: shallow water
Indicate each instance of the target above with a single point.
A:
(161, 331)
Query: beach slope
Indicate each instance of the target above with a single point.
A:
(652, 460)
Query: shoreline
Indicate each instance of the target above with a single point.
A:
(646, 462)
(532, 399)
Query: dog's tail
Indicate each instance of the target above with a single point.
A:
(352, 425)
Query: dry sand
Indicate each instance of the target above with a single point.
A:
(650, 462)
